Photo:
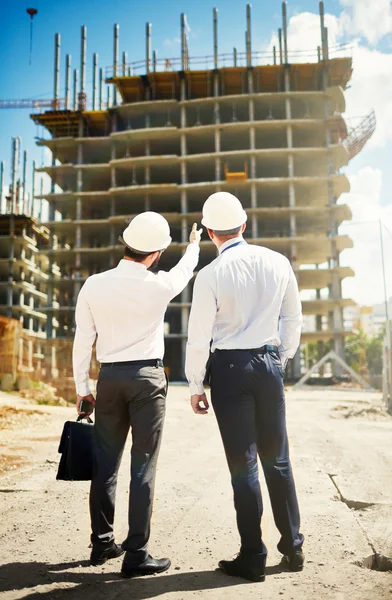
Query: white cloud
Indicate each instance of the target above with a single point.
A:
(304, 31)
(370, 19)
(169, 43)
(371, 83)
(365, 258)
(371, 87)
(304, 36)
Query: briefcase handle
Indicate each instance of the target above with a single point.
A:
(84, 416)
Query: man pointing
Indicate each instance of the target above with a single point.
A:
(246, 302)
(123, 309)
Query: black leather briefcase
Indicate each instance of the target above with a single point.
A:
(76, 449)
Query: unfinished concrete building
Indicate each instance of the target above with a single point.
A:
(267, 127)
(24, 271)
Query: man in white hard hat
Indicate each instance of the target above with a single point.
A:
(246, 302)
(123, 309)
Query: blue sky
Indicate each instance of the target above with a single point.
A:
(366, 23)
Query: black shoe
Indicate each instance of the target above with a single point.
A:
(251, 567)
(147, 567)
(99, 556)
(295, 560)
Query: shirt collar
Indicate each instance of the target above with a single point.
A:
(126, 265)
(230, 242)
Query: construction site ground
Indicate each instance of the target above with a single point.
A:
(341, 447)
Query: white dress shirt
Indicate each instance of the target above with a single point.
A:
(124, 309)
(246, 298)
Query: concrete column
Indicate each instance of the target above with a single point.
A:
(184, 209)
(296, 362)
(182, 90)
(288, 108)
(112, 206)
(113, 183)
(54, 370)
(50, 293)
(251, 109)
(112, 236)
(253, 203)
(30, 354)
(78, 209)
(218, 170)
(31, 320)
(293, 226)
(147, 170)
(78, 237)
(216, 113)
(183, 163)
(291, 174)
(319, 327)
(185, 295)
(183, 117)
(79, 188)
(286, 79)
(216, 84)
(147, 175)
(326, 116)
(252, 146)
(79, 180)
(184, 223)
(337, 323)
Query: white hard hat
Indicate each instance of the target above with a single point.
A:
(146, 233)
(222, 212)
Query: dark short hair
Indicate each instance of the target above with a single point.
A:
(228, 231)
(128, 253)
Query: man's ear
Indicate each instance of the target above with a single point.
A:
(243, 227)
(210, 234)
(153, 257)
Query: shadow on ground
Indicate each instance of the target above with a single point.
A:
(64, 582)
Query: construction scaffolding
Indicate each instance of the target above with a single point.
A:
(267, 127)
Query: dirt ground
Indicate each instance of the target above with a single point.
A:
(341, 446)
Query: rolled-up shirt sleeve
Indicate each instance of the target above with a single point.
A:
(290, 320)
(83, 343)
(200, 328)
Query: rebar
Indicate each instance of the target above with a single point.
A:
(56, 84)
(148, 47)
(95, 75)
(67, 79)
(284, 16)
(215, 19)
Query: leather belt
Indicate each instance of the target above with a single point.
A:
(261, 350)
(153, 362)
(265, 349)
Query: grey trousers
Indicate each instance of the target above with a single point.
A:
(128, 396)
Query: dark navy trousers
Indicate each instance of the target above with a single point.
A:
(247, 394)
